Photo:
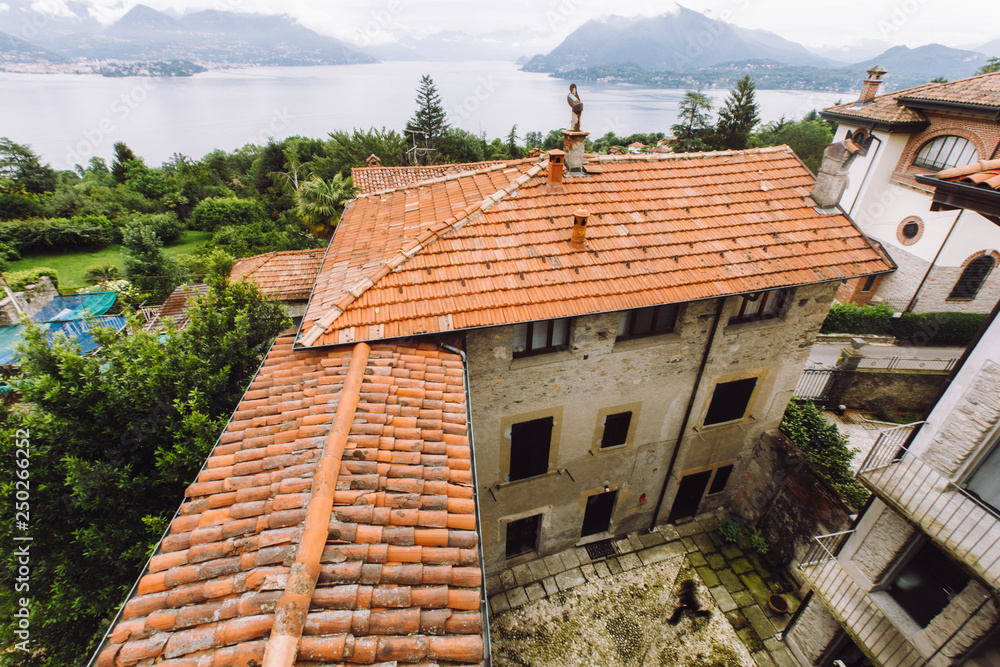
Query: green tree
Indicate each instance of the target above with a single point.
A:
(807, 138)
(533, 139)
(319, 203)
(123, 155)
(693, 130)
(429, 121)
(738, 116)
(22, 166)
(939, 79)
(992, 65)
(144, 263)
(345, 150)
(459, 145)
(212, 214)
(114, 440)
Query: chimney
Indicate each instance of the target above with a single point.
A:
(831, 181)
(870, 87)
(374, 160)
(574, 142)
(556, 158)
(579, 238)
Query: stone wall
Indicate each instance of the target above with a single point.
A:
(966, 427)
(904, 391)
(814, 632)
(32, 299)
(933, 297)
(889, 535)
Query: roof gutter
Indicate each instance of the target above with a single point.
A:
(873, 124)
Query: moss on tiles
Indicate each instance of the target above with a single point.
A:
(697, 559)
(708, 576)
(716, 561)
(731, 551)
(741, 565)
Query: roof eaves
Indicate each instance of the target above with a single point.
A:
(413, 246)
(873, 123)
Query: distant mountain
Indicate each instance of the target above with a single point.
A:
(861, 49)
(680, 39)
(460, 45)
(910, 67)
(207, 37)
(26, 19)
(15, 50)
(991, 49)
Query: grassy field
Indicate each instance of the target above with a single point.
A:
(71, 265)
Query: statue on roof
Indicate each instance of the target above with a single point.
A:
(573, 99)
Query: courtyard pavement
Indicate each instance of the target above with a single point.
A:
(736, 577)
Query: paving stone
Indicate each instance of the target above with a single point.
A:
(723, 598)
(763, 659)
(708, 576)
(538, 570)
(572, 559)
(614, 565)
(498, 603)
(550, 586)
(750, 640)
(493, 585)
(708, 522)
(660, 553)
(697, 559)
(535, 591)
(688, 529)
(731, 551)
(783, 658)
(624, 546)
(507, 580)
(737, 619)
(730, 580)
(716, 561)
(756, 586)
(629, 561)
(554, 564)
(741, 566)
(772, 644)
(717, 540)
(779, 621)
(651, 539)
(522, 574)
(602, 569)
(589, 573)
(669, 533)
(633, 539)
(759, 621)
(705, 544)
(689, 544)
(570, 578)
(517, 597)
(743, 598)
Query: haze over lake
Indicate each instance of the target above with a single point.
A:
(69, 118)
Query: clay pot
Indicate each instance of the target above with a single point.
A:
(777, 603)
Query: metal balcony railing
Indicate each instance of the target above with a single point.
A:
(861, 617)
(948, 514)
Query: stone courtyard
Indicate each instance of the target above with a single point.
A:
(566, 609)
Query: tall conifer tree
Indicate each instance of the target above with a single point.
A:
(738, 116)
(429, 122)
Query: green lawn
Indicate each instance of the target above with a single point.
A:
(71, 265)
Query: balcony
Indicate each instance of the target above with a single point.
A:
(949, 515)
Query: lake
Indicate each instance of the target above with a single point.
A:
(69, 118)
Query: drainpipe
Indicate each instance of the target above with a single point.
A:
(484, 607)
(687, 412)
(913, 301)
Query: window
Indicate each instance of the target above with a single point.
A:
(647, 321)
(985, 482)
(926, 584)
(720, 480)
(529, 448)
(972, 278)
(616, 429)
(910, 230)
(869, 283)
(762, 305)
(946, 152)
(730, 400)
(522, 535)
(541, 337)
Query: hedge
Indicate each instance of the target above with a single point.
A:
(166, 226)
(211, 214)
(93, 231)
(910, 328)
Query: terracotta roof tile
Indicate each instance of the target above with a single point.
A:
(662, 229)
(285, 276)
(398, 572)
(374, 179)
(174, 307)
(980, 91)
(984, 174)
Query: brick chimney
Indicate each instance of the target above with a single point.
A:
(870, 88)
(556, 166)
(579, 238)
(574, 142)
(831, 181)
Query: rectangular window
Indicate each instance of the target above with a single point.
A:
(541, 337)
(720, 480)
(616, 429)
(762, 306)
(869, 283)
(926, 584)
(522, 535)
(730, 400)
(529, 448)
(647, 321)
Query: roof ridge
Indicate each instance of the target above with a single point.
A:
(493, 166)
(411, 247)
(653, 157)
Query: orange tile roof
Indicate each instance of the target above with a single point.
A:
(883, 108)
(335, 517)
(493, 248)
(374, 179)
(174, 307)
(285, 276)
(984, 174)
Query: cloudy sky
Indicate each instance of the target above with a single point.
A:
(834, 24)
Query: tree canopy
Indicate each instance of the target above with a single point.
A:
(693, 130)
(429, 121)
(738, 116)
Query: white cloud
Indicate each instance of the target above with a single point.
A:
(4, 7)
(52, 8)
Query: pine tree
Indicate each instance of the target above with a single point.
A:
(738, 116)
(693, 131)
(429, 122)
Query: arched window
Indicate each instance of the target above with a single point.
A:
(972, 278)
(946, 152)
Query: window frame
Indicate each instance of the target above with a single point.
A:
(533, 464)
(968, 295)
(746, 406)
(628, 320)
(625, 435)
(549, 347)
(942, 142)
(770, 305)
(537, 530)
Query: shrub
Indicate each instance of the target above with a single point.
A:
(166, 226)
(92, 231)
(938, 328)
(101, 273)
(18, 206)
(212, 214)
(18, 280)
(826, 448)
(729, 529)
(758, 542)
(854, 319)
